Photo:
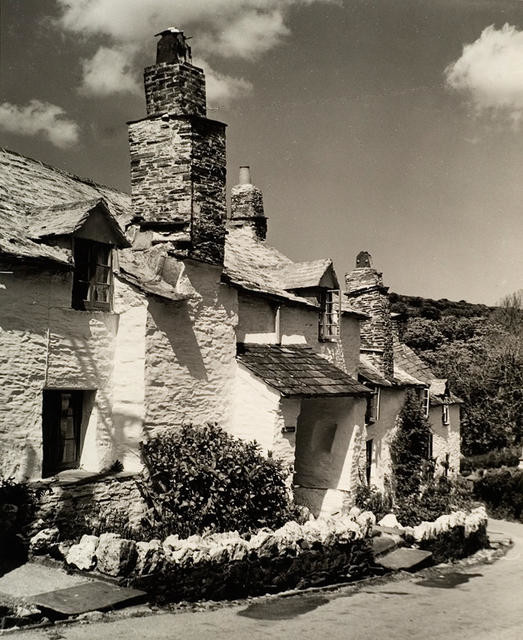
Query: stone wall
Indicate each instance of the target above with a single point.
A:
(446, 438)
(48, 345)
(330, 438)
(90, 505)
(190, 353)
(174, 88)
(298, 325)
(178, 172)
(366, 293)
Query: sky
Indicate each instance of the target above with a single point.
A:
(393, 126)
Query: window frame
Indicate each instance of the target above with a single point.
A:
(54, 438)
(425, 402)
(372, 413)
(329, 325)
(445, 414)
(87, 285)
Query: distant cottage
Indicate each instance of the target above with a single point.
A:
(121, 316)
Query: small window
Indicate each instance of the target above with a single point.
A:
(429, 447)
(368, 460)
(373, 406)
(426, 402)
(61, 426)
(92, 283)
(445, 414)
(330, 315)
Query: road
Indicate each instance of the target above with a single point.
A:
(476, 602)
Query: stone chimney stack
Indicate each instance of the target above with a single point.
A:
(178, 163)
(366, 292)
(247, 205)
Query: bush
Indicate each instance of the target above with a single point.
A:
(438, 496)
(17, 504)
(200, 479)
(370, 498)
(502, 492)
(507, 457)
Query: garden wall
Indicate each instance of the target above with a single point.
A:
(93, 504)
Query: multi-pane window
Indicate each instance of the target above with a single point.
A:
(61, 425)
(426, 402)
(373, 406)
(92, 284)
(330, 316)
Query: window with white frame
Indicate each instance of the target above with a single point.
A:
(330, 315)
(445, 414)
(426, 402)
(373, 405)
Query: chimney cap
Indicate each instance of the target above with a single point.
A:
(363, 260)
(168, 30)
(245, 174)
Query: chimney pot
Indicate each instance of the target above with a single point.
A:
(245, 174)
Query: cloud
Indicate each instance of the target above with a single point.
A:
(39, 118)
(221, 88)
(227, 29)
(490, 73)
(110, 71)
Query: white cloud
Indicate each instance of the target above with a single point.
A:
(110, 71)
(221, 88)
(490, 73)
(229, 29)
(39, 118)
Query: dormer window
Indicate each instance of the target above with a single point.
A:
(330, 315)
(93, 275)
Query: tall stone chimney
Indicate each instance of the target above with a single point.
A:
(178, 163)
(366, 292)
(247, 205)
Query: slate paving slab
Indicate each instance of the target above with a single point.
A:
(90, 596)
(404, 559)
(382, 544)
(32, 578)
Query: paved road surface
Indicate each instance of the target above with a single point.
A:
(480, 602)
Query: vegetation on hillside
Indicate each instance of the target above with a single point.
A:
(479, 350)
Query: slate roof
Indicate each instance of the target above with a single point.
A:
(298, 371)
(37, 200)
(27, 187)
(409, 362)
(301, 275)
(65, 219)
(256, 266)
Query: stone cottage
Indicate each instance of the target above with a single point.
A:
(121, 316)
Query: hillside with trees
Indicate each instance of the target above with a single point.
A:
(479, 349)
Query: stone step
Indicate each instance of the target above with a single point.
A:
(407, 559)
(89, 596)
(382, 544)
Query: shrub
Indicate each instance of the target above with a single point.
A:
(502, 492)
(507, 457)
(200, 479)
(17, 504)
(370, 498)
